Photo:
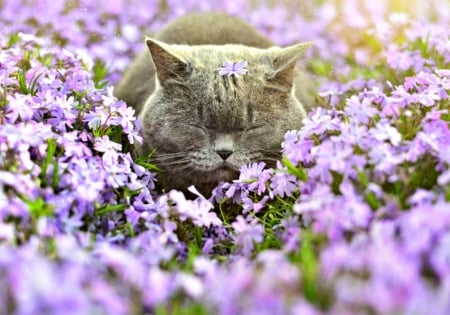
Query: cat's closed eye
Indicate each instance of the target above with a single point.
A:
(243, 130)
(197, 126)
(205, 129)
(254, 128)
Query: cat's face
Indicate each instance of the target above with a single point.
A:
(205, 126)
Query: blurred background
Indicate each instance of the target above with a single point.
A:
(345, 31)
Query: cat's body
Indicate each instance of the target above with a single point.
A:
(202, 125)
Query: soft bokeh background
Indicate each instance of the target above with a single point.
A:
(113, 30)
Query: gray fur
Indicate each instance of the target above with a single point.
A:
(204, 126)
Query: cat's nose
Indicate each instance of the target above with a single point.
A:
(224, 154)
(224, 145)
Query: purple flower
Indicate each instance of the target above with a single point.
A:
(440, 256)
(192, 285)
(86, 178)
(314, 201)
(19, 106)
(233, 68)
(158, 286)
(109, 149)
(297, 149)
(290, 233)
(404, 60)
(319, 121)
(107, 296)
(250, 205)
(385, 131)
(420, 197)
(203, 215)
(355, 213)
(251, 172)
(247, 233)
(121, 261)
(283, 184)
(254, 177)
(198, 210)
(96, 118)
(361, 110)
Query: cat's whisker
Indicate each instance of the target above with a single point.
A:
(270, 159)
(167, 158)
(178, 162)
(180, 168)
(275, 152)
(172, 153)
(171, 158)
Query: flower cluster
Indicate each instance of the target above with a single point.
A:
(355, 218)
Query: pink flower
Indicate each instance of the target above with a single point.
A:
(233, 68)
(247, 233)
(109, 148)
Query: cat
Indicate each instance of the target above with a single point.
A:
(203, 126)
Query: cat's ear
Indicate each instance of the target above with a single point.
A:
(168, 62)
(284, 61)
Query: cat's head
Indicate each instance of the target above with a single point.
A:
(203, 125)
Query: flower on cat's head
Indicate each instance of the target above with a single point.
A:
(233, 68)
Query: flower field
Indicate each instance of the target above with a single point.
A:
(354, 220)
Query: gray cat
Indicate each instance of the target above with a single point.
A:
(203, 126)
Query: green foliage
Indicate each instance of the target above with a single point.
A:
(321, 68)
(194, 251)
(424, 175)
(13, 39)
(39, 208)
(104, 209)
(24, 87)
(307, 260)
(297, 171)
(144, 162)
(177, 307)
(309, 266)
(99, 71)
(428, 52)
(3, 99)
(49, 159)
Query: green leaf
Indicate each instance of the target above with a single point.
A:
(110, 208)
(46, 59)
(130, 229)
(32, 89)
(3, 99)
(39, 208)
(193, 252)
(363, 179)
(12, 40)
(130, 193)
(55, 174)
(51, 150)
(179, 307)
(309, 267)
(372, 200)
(321, 68)
(299, 172)
(21, 79)
(100, 71)
(144, 162)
